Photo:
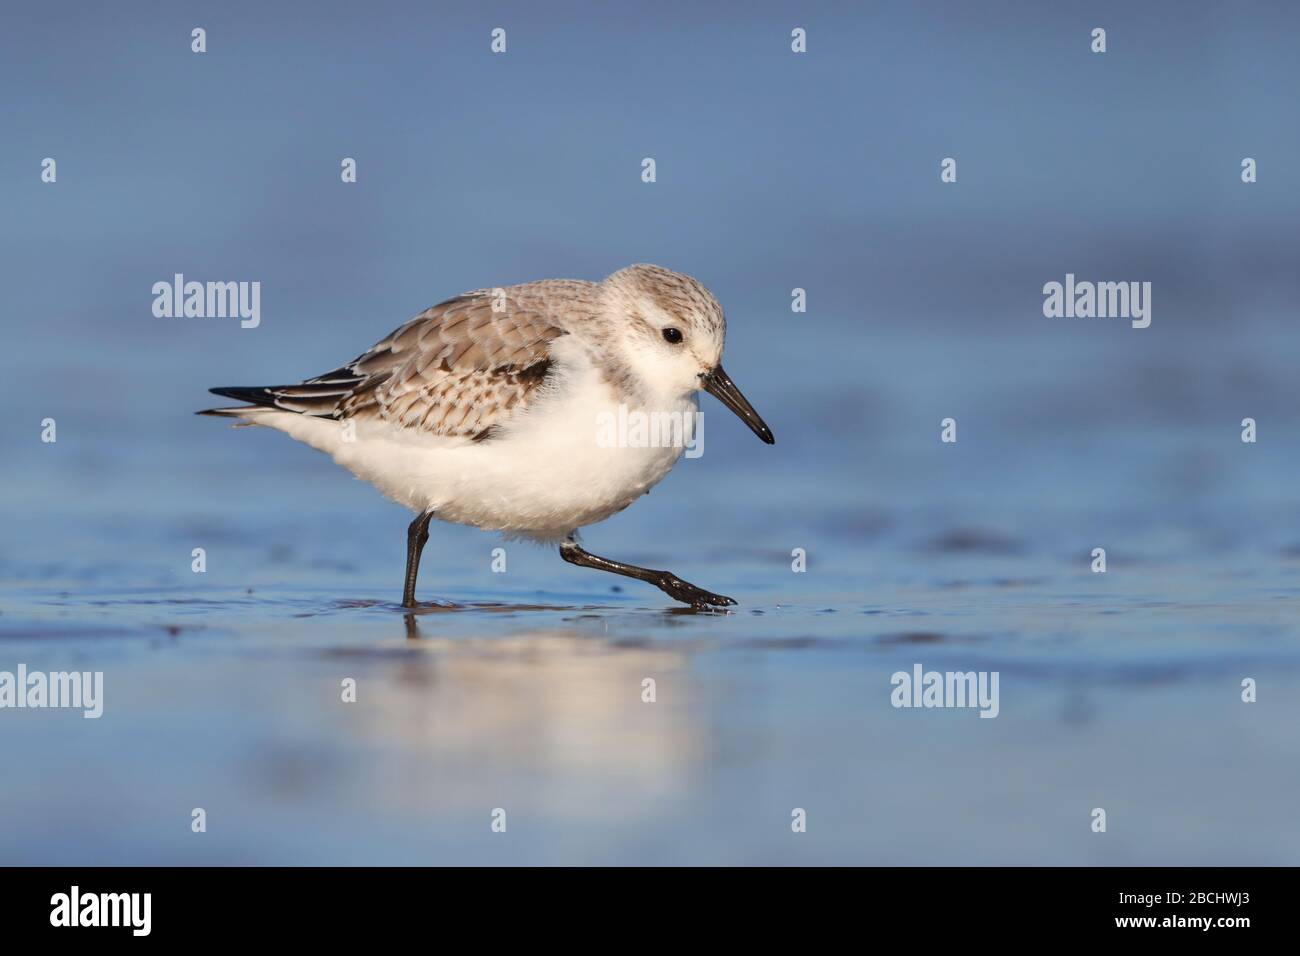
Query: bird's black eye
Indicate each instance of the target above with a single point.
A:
(672, 336)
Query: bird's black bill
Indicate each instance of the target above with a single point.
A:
(719, 384)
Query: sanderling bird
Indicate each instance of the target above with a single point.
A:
(483, 410)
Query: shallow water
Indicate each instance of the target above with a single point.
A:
(231, 702)
(523, 691)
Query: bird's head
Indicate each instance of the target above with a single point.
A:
(669, 333)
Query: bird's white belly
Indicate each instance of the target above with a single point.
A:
(553, 470)
(545, 489)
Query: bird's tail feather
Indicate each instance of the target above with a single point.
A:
(257, 397)
(317, 398)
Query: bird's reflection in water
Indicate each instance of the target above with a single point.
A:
(562, 720)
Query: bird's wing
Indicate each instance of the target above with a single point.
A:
(457, 369)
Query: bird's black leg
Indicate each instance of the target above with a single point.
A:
(665, 581)
(416, 535)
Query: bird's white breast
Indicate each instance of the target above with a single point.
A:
(549, 471)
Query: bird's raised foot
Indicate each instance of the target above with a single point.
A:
(688, 593)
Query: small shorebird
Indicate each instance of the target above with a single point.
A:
(484, 410)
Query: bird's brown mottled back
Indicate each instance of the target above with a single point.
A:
(456, 369)
(470, 364)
